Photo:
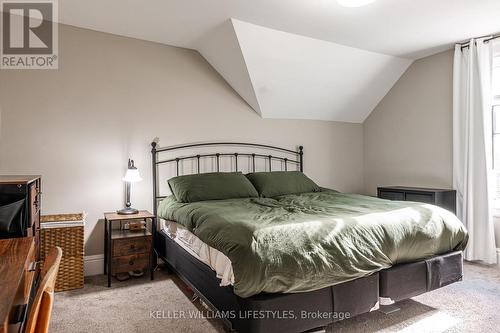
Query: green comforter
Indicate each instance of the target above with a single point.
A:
(298, 243)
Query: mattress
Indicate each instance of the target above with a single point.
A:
(211, 257)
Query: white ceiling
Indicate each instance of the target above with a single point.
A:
(298, 58)
(408, 28)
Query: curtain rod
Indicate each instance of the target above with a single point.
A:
(486, 40)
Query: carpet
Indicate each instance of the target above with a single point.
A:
(164, 305)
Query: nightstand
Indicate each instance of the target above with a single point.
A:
(126, 250)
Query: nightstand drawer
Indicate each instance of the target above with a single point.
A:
(130, 263)
(128, 246)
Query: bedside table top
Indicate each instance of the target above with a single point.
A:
(143, 214)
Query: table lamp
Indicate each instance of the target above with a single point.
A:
(132, 176)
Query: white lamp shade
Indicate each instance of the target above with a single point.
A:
(132, 176)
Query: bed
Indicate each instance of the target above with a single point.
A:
(298, 261)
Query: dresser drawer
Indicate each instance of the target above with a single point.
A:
(391, 195)
(34, 225)
(420, 197)
(34, 199)
(130, 263)
(128, 246)
(35, 219)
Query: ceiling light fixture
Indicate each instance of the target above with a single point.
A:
(354, 3)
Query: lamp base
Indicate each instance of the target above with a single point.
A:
(127, 211)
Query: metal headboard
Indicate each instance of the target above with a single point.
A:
(297, 160)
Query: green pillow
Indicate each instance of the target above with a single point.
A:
(211, 186)
(271, 184)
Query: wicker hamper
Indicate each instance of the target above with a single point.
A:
(65, 231)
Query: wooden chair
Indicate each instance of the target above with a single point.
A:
(41, 308)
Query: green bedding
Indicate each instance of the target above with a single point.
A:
(304, 242)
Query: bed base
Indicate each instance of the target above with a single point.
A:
(301, 312)
(408, 280)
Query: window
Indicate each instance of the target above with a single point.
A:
(496, 121)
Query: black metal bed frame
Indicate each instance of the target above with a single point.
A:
(298, 159)
(229, 301)
(354, 297)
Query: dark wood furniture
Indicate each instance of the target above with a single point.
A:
(354, 297)
(126, 250)
(445, 198)
(17, 281)
(13, 188)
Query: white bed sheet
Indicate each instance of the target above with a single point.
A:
(215, 259)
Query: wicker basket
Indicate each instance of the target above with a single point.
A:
(65, 231)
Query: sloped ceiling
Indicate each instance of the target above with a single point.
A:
(283, 75)
(309, 59)
(220, 46)
(305, 78)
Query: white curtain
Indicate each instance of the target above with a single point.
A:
(472, 146)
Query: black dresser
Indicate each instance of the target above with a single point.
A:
(445, 198)
(23, 194)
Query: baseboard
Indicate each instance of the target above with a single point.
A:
(93, 265)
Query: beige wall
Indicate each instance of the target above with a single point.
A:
(408, 137)
(112, 95)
